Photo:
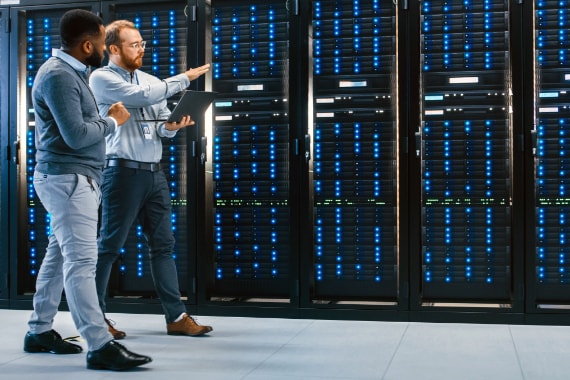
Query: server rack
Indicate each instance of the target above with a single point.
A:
(34, 32)
(548, 254)
(355, 153)
(250, 249)
(4, 162)
(465, 148)
(165, 27)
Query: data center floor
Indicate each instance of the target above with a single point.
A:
(282, 349)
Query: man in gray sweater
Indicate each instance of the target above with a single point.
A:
(70, 143)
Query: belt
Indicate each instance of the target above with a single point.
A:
(121, 162)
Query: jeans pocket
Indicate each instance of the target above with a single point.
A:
(70, 183)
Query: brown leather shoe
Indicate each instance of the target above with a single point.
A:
(187, 326)
(117, 334)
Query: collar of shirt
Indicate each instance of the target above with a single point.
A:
(73, 62)
(123, 72)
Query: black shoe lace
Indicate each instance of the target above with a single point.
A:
(58, 337)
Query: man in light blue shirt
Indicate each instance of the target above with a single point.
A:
(134, 186)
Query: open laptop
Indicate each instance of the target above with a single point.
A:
(193, 103)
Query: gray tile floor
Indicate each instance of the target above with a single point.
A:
(282, 349)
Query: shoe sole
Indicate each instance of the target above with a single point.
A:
(102, 367)
(187, 334)
(34, 350)
(41, 349)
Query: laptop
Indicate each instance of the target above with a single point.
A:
(193, 103)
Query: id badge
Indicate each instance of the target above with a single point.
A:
(147, 131)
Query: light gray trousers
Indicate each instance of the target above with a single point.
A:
(71, 257)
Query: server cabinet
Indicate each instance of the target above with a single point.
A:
(34, 32)
(5, 161)
(355, 155)
(549, 256)
(164, 25)
(464, 144)
(248, 253)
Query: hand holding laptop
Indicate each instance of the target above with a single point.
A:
(184, 122)
(192, 103)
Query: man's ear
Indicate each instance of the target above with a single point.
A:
(87, 47)
(113, 49)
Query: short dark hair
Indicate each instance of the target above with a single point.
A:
(76, 24)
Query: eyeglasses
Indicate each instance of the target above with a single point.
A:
(138, 45)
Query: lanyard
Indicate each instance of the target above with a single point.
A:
(145, 127)
(135, 75)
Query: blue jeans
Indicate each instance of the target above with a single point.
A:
(130, 195)
(71, 257)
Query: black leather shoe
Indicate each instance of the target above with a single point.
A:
(116, 357)
(50, 341)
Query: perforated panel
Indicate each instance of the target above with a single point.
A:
(466, 148)
(355, 149)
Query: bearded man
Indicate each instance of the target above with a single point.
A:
(134, 185)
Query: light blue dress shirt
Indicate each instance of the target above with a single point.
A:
(71, 61)
(144, 95)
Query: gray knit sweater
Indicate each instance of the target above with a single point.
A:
(70, 134)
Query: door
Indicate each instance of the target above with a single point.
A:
(34, 33)
(250, 199)
(465, 148)
(549, 254)
(354, 182)
(5, 163)
(165, 28)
